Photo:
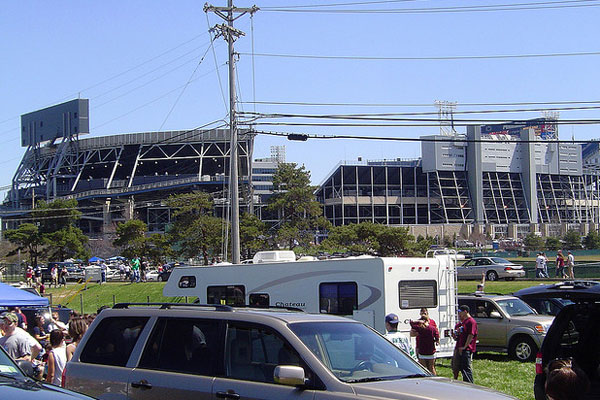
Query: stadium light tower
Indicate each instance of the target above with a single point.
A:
(229, 33)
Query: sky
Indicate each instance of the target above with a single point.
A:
(149, 65)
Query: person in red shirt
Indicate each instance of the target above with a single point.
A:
(466, 342)
(427, 337)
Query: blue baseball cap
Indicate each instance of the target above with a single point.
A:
(392, 319)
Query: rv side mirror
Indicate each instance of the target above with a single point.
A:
(289, 375)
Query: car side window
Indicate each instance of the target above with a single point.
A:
(185, 345)
(252, 353)
(113, 340)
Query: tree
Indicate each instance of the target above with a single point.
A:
(157, 248)
(56, 215)
(552, 243)
(26, 237)
(131, 237)
(592, 240)
(252, 234)
(533, 242)
(294, 200)
(194, 229)
(572, 240)
(68, 242)
(370, 238)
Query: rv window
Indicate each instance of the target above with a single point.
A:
(187, 282)
(232, 295)
(259, 299)
(417, 294)
(340, 298)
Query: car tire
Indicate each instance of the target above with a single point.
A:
(491, 276)
(522, 348)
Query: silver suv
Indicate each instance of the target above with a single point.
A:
(204, 352)
(507, 323)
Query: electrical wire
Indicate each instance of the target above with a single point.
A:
(438, 139)
(148, 103)
(344, 116)
(218, 74)
(454, 9)
(435, 123)
(522, 103)
(431, 58)
(185, 87)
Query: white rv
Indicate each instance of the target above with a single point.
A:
(365, 289)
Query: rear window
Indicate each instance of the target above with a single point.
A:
(113, 340)
(417, 294)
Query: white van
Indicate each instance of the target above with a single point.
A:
(365, 289)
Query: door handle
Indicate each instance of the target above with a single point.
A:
(143, 384)
(230, 394)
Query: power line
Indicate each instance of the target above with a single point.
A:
(455, 9)
(432, 58)
(186, 85)
(522, 103)
(349, 116)
(415, 123)
(438, 139)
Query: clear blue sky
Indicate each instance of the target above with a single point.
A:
(132, 59)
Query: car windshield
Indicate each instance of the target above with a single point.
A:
(8, 367)
(355, 353)
(498, 260)
(515, 307)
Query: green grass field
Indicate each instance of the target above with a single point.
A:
(493, 370)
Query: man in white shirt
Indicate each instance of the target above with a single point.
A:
(400, 339)
(570, 265)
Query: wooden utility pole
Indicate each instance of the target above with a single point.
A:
(230, 34)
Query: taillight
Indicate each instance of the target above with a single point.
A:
(538, 363)
(63, 378)
(508, 268)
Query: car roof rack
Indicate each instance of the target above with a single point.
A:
(217, 307)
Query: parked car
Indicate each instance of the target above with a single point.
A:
(573, 335)
(75, 271)
(493, 268)
(152, 275)
(164, 275)
(550, 304)
(185, 351)
(16, 385)
(507, 323)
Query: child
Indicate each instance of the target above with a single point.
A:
(57, 357)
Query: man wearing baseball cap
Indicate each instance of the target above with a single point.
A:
(465, 342)
(400, 339)
(15, 341)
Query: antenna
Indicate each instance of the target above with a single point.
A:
(446, 117)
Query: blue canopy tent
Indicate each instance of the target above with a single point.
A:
(95, 259)
(14, 297)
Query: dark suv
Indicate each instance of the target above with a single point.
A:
(548, 303)
(574, 333)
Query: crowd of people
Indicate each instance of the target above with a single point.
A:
(427, 337)
(564, 266)
(48, 347)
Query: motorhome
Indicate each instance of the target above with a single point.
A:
(365, 289)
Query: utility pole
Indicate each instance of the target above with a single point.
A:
(230, 34)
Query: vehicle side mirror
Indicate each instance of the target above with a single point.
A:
(289, 375)
(495, 314)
